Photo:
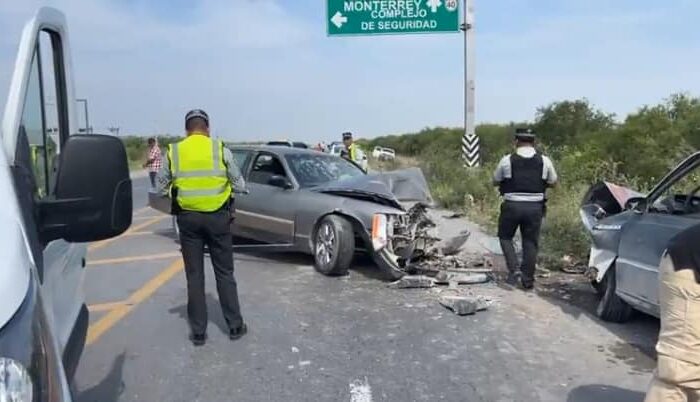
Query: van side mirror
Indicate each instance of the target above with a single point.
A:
(636, 204)
(280, 181)
(92, 197)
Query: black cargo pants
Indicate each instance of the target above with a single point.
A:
(526, 216)
(213, 229)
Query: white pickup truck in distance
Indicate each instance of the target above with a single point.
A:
(59, 191)
(382, 153)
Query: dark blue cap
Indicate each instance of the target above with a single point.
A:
(197, 113)
(524, 133)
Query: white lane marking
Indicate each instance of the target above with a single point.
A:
(360, 391)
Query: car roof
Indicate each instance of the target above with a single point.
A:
(277, 149)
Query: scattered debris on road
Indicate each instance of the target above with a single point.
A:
(470, 278)
(455, 215)
(455, 244)
(413, 281)
(465, 305)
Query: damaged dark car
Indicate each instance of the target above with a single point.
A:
(326, 206)
(629, 233)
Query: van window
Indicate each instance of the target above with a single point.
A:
(44, 120)
(54, 98)
(32, 127)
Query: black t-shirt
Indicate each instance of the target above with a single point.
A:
(684, 249)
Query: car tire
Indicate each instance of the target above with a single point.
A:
(334, 246)
(611, 307)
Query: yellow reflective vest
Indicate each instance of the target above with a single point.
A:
(199, 173)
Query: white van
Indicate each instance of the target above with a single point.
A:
(58, 192)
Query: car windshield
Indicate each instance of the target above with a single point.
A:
(316, 169)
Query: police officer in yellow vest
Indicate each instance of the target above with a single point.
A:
(353, 151)
(201, 175)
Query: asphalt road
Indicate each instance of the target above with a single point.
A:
(314, 338)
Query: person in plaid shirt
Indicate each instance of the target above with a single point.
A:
(154, 161)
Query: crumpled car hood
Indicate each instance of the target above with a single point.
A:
(603, 200)
(405, 185)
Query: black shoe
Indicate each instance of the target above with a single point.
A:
(528, 285)
(238, 332)
(198, 339)
(512, 279)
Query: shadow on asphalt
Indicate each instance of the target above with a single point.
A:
(214, 313)
(601, 393)
(575, 296)
(110, 388)
(638, 336)
(361, 263)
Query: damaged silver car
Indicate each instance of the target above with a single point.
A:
(326, 206)
(630, 232)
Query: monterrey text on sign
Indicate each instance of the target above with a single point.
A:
(371, 17)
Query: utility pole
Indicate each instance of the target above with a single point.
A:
(470, 141)
(87, 121)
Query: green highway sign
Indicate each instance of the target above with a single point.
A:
(375, 17)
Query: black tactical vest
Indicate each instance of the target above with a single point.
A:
(526, 176)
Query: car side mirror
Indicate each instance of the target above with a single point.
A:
(636, 204)
(280, 181)
(92, 197)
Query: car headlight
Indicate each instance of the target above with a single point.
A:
(28, 369)
(382, 230)
(15, 382)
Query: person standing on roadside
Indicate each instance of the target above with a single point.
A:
(153, 161)
(202, 176)
(677, 375)
(353, 151)
(523, 178)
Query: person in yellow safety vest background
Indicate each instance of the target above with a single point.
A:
(353, 151)
(201, 175)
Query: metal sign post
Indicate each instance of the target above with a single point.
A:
(470, 141)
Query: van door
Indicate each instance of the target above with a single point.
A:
(39, 116)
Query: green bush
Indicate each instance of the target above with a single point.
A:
(586, 145)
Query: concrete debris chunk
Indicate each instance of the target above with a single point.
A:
(466, 278)
(413, 281)
(470, 279)
(465, 305)
(454, 245)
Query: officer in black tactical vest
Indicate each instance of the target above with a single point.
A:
(523, 178)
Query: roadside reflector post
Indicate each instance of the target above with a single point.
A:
(470, 141)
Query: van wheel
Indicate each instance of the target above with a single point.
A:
(334, 246)
(611, 307)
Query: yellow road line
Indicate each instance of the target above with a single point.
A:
(96, 308)
(104, 324)
(134, 258)
(102, 243)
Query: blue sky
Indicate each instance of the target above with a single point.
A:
(266, 69)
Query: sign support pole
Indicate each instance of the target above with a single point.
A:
(470, 141)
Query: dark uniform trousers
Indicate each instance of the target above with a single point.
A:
(526, 216)
(212, 229)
